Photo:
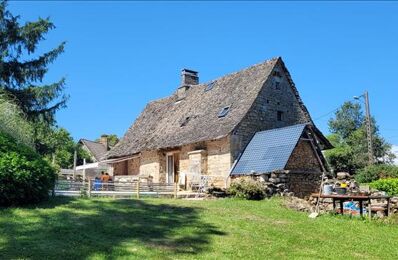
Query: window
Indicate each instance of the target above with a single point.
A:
(185, 121)
(209, 86)
(224, 111)
(276, 73)
(279, 115)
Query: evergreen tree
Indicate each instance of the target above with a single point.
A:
(22, 72)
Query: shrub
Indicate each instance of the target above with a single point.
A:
(388, 185)
(248, 189)
(217, 192)
(24, 176)
(375, 172)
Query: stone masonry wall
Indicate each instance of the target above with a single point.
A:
(214, 158)
(299, 184)
(303, 158)
(133, 166)
(150, 164)
(219, 160)
(303, 184)
(208, 158)
(276, 95)
(120, 168)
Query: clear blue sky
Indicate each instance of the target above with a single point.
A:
(120, 55)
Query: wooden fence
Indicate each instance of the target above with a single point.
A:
(95, 188)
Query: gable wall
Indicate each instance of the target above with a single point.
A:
(263, 113)
(303, 158)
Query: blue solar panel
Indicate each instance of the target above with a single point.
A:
(269, 150)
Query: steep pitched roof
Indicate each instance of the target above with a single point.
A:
(268, 150)
(159, 125)
(96, 149)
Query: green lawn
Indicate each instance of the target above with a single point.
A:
(176, 229)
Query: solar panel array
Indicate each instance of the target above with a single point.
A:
(268, 150)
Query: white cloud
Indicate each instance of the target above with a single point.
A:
(395, 151)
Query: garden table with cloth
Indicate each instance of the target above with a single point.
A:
(353, 197)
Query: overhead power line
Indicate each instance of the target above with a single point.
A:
(328, 113)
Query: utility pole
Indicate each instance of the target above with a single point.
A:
(74, 164)
(368, 126)
(369, 129)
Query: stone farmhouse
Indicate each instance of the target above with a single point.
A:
(202, 129)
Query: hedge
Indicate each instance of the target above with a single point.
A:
(388, 185)
(375, 172)
(24, 176)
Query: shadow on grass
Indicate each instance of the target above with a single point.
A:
(80, 228)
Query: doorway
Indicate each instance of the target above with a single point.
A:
(172, 167)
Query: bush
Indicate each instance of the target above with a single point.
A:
(24, 176)
(375, 172)
(388, 185)
(217, 192)
(248, 189)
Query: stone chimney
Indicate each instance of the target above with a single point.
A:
(104, 141)
(188, 78)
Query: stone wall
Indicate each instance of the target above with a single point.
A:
(302, 184)
(276, 95)
(219, 157)
(207, 158)
(303, 158)
(120, 168)
(150, 164)
(133, 166)
(298, 184)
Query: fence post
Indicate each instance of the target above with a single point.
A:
(89, 188)
(138, 188)
(175, 189)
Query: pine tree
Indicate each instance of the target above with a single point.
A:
(22, 73)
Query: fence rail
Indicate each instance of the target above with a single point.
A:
(96, 188)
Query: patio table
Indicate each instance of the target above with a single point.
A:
(352, 197)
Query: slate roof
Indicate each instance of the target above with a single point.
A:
(97, 150)
(268, 151)
(159, 125)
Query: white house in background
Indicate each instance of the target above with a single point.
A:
(96, 150)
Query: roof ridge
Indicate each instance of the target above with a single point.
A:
(83, 139)
(274, 59)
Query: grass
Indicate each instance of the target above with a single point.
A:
(65, 228)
